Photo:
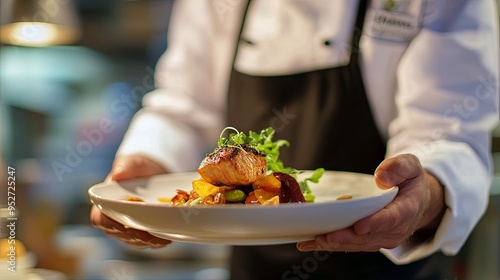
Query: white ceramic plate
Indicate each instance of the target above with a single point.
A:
(240, 224)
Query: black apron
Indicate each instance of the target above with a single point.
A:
(326, 117)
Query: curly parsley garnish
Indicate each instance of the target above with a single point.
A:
(263, 142)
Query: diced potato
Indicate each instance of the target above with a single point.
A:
(204, 188)
(268, 183)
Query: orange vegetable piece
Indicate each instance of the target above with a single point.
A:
(204, 188)
(165, 199)
(275, 200)
(344, 197)
(263, 195)
(252, 199)
(268, 183)
(134, 198)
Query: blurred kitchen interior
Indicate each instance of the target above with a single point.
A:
(54, 98)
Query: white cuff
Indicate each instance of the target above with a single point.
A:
(466, 181)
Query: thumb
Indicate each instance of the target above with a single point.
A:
(396, 170)
(134, 166)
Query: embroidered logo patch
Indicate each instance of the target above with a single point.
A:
(397, 20)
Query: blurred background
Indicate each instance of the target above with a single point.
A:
(67, 97)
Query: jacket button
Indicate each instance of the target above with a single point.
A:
(327, 42)
(248, 42)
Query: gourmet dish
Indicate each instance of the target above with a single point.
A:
(246, 169)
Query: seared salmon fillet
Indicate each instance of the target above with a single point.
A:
(233, 166)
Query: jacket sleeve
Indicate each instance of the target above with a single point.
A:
(181, 116)
(447, 103)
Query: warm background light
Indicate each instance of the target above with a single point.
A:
(37, 34)
(38, 23)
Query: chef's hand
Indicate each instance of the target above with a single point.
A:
(418, 208)
(129, 167)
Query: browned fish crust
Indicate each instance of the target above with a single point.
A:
(233, 166)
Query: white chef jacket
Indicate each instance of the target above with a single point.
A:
(430, 68)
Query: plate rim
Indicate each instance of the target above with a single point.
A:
(91, 193)
(201, 238)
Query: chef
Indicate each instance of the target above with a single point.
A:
(406, 90)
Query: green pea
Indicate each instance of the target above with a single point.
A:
(235, 195)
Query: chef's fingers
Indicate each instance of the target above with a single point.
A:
(348, 240)
(138, 237)
(103, 222)
(114, 229)
(397, 170)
